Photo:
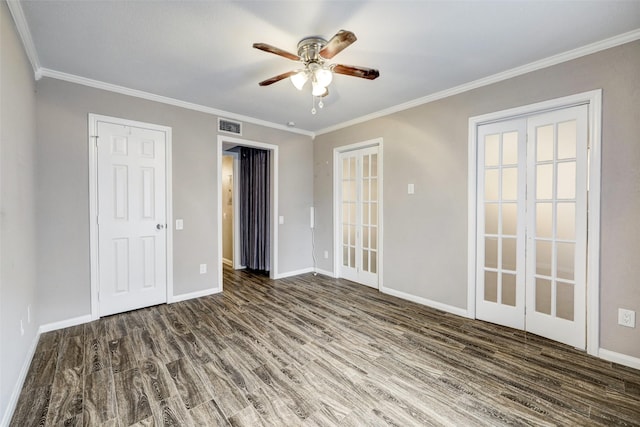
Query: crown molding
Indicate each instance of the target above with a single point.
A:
(97, 84)
(495, 78)
(25, 35)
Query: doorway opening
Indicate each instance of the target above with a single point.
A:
(230, 203)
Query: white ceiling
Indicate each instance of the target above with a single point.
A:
(201, 51)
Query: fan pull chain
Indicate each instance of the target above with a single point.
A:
(313, 108)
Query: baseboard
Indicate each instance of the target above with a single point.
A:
(294, 273)
(13, 401)
(227, 261)
(325, 273)
(424, 301)
(622, 359)
(48, 327)
(197, 294)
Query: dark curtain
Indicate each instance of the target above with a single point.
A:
(255, 212)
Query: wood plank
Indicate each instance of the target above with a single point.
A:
(190, 387)
(131, 396)
(66, 405)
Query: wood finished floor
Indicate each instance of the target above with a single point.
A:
(314, 351)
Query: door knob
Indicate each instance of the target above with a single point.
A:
(160, 226)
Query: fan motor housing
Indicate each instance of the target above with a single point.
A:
(309, 49)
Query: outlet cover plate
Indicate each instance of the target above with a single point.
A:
(627, 318)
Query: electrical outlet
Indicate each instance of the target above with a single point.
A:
(203, 268)
(627, 318)
(326, 254)
(179, 224)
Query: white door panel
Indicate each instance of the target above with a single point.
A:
(131, 217)
(359, 215)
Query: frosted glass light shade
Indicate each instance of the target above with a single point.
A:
(323, 77)
(318, 90)
(299, 79)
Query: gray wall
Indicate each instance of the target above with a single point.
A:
(63, 188)
(425, 234)
(17, 208)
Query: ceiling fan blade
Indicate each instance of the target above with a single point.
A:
(277, 78)
(276, 50)
(362, 72)
(337, 44)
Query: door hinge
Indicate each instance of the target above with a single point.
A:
(95, 140)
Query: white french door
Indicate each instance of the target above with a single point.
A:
(358, 197)
(532, 224)
(132, 217)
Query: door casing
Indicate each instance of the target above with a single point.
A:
(594, 101)
(93, 203)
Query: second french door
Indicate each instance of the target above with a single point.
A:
(532, 224)
(359, 215)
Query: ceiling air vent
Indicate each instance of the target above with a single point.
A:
(229, 126)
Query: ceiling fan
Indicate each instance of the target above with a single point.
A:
(313, 53)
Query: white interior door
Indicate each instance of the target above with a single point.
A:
(532, 224)
(359, 215)
(557, 225)
(500, 280)
(132, 210)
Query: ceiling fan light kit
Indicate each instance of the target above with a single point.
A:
(313, 52)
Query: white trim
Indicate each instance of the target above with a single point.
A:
(337, 151)
(197, 294)
(594, 100)
(619, 358)
(25, 35)
(295, 273)
(325, 273)
(426, 302)
(17, 388)
(67, 323)
(45, 72)
(93, 202)
(495, 78)
(273, 273)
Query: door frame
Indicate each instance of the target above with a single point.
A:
(273, 271)
(93, 202)
(337, 232)
(594, 101)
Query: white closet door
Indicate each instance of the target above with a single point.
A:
(557, 225)
(532, 224)
(132, 217)
(500, 281)
(359, 202)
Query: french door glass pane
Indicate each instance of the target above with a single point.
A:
(490, 286)
(544, 182)
(492, 150)
(567, 140)
(509, 254)
(543, 296)
(566, 260)
(374, 237)
(509, 289)
(491, 252)
(374, 262)
(544, 220)
(567, 180)
(491, 184)
(365, 166)
(374, 165)
(544, 143)
(565, 296)
(543, 257)
(510, 219)
(365, 260)
(374, 189)
(510, 148)
(566, 221)
(491, 211)
(365, 237)
(510, 183)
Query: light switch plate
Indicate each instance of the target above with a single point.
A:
(411, 189)
(203, 268)
(179, 224)
(281, 220)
